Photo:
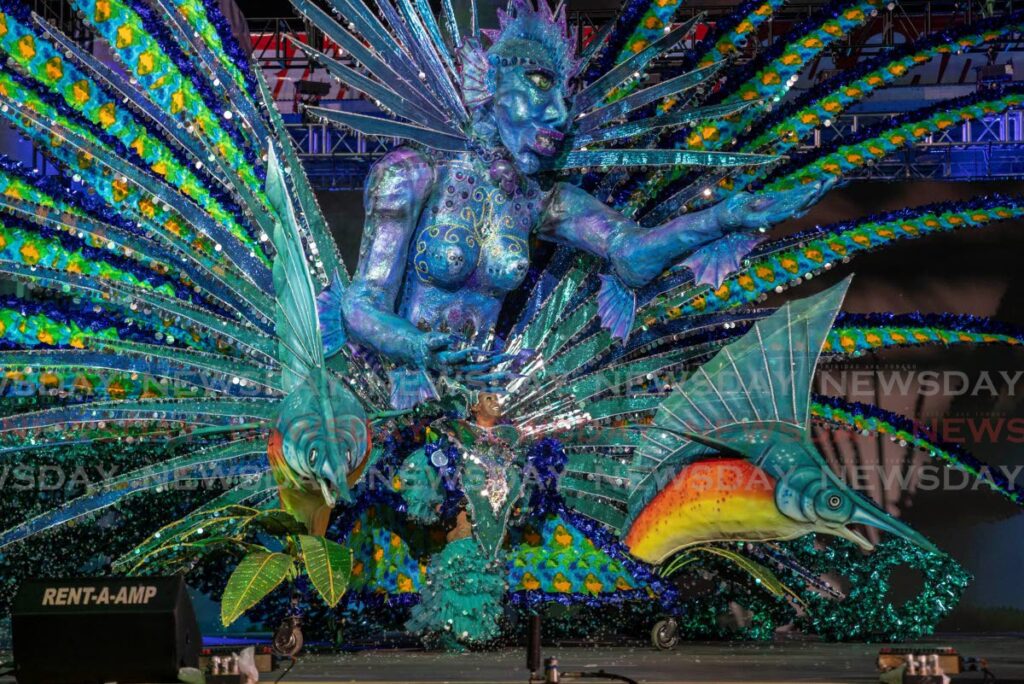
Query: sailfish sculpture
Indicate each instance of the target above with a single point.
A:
(729, 454)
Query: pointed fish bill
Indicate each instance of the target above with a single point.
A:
(850, 535)
(869, 515)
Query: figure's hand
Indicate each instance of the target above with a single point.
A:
(443, 352)
(746, 211)
(434, 350)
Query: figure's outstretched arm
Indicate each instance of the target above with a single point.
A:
(396, 192)
(637, 254)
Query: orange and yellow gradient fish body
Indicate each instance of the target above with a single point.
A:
(717, 499)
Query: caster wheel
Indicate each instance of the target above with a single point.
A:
(287, 641)
(665, 634)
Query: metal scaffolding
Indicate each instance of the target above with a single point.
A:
(991, 148)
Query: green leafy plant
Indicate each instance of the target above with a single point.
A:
(258, 574)
(764, 577)
(272, 545)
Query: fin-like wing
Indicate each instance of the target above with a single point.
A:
(298, 329)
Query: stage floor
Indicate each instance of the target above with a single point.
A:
(789, 661)
(777, 663)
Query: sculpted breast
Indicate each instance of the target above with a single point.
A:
(504, 262)
(474, 235)
(446, 255)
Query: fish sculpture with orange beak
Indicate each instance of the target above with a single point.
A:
(320, 441)
(729, 455)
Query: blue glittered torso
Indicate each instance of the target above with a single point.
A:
(470, 248)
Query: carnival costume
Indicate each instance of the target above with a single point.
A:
(553, 233)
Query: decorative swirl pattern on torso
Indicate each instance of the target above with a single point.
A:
(474, 235)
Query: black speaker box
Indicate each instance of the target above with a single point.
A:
(84, 631)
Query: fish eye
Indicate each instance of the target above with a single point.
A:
(541, 79)
(834, 501)
(313, 453)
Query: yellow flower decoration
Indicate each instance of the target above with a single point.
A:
(107, 115)
(27, 47)
(125, 36)
(119, 189)
(102, 13)
(709, 132)
(30, 254)
(80, 92)
(54, 68)
(177, 101)
(146, 64)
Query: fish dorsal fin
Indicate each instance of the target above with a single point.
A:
(765, 376)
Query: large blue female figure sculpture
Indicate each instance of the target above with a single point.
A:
(447, 235)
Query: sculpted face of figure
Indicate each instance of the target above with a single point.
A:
(529, 111)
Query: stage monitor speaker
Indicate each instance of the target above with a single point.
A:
(124, 630)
